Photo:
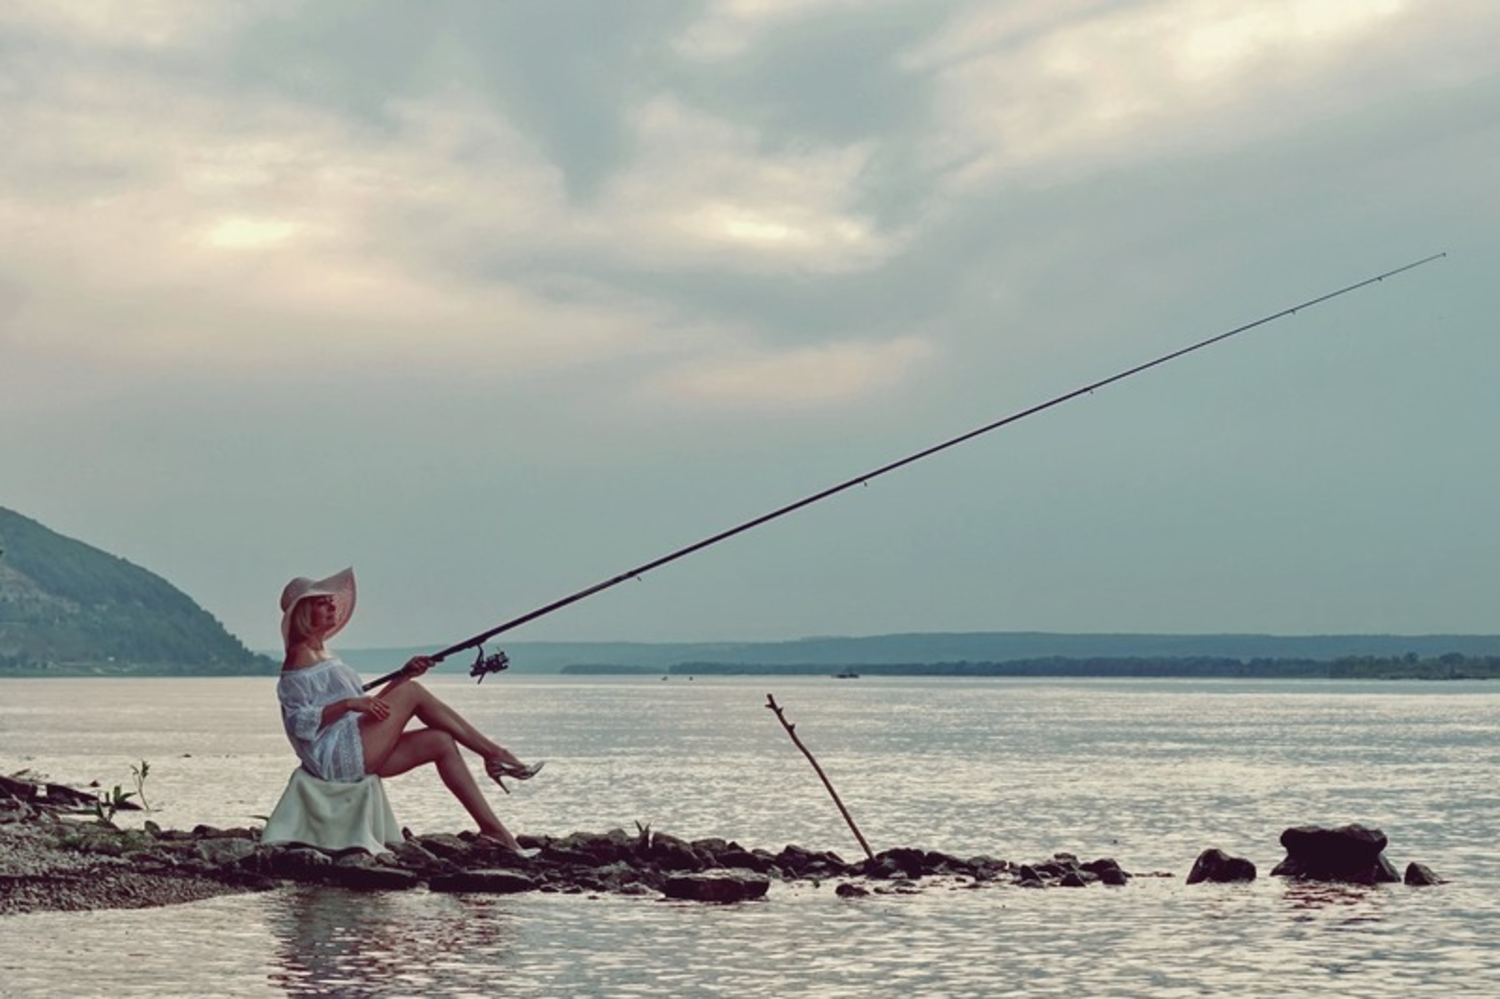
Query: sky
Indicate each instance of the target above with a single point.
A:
(496, 301)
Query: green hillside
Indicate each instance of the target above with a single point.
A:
(67, 608)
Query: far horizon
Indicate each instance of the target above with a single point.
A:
(940, 647)
(505, 640)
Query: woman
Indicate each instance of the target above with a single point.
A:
(341, 734)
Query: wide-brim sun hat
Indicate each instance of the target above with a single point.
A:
(339, 586)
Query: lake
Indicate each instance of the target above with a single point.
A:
(1149, 772)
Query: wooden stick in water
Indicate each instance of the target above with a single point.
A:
(791, 730)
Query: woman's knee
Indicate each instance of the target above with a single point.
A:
(411, 694)
(443, 744)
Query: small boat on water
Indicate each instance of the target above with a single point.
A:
(847, 674)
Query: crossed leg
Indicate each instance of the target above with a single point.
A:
(390, 749)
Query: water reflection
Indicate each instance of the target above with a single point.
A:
(1149, 773)
(1351, 904)
(332, 942)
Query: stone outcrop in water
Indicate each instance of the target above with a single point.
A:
(1351, 854)
(1420, 875)
(50, 859)
(1217, 866)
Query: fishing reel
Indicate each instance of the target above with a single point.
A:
(484, 665)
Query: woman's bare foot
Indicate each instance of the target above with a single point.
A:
(503, 837)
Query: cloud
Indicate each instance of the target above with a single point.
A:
(730, 27)
(238, 238)
(244, 232)
(1041, 94)
(173, 217)
(704, 192)
(807, 377)
(144, 25)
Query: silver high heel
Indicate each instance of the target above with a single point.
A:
(497, 768)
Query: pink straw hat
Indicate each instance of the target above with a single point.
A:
(339, 586)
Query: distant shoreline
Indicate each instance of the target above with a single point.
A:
(867, 658)
(1448, 667)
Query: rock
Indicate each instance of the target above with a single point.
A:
(444, 845)
(1219, 867)
(847, 890)
(800, 862)
(1349, 853)
(589, 849)
(717, 886)
(947, 863)
(19, 789)
(558, 855)
(14, 810)
(225, 852)
(234, 832)
(412, 857)
(1420, 874)
(493, 882)
(64, 798)
(618, 877)
(296, 863)
(1057, 867)
(730, 854)
(672, 854)
(363, 873)
(485, 854)
(896, 863)
(1108, 871)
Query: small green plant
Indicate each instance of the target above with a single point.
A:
(139, 773)
(111, 802)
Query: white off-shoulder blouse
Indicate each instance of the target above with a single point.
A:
(330, 752)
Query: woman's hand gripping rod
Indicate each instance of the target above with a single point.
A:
(483, 666)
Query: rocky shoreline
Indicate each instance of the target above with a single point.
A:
(55, 857)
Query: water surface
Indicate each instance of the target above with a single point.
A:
(1149, 772)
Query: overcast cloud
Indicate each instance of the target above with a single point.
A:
(494, 301)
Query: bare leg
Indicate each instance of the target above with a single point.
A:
(430, 745)
(412, 700)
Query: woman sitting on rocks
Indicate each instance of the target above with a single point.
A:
(341, 734)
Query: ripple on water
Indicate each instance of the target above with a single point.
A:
(1154, 937)
(1150, 773)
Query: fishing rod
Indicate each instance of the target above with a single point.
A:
(484, 665)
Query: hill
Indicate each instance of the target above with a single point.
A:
(67, 608)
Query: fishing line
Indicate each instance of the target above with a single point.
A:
(484, 665)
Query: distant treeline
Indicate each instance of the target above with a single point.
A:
(1451, 666)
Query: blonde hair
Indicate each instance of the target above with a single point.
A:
(301, 626)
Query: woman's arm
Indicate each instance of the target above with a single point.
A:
(372, 706)
(415, 666)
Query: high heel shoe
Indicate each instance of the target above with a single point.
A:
(497, 768)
